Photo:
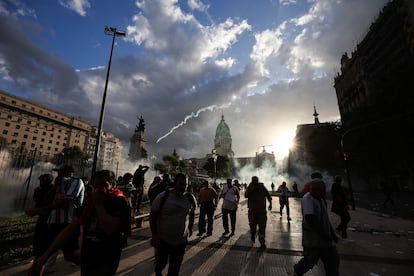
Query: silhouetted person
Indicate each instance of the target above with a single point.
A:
(318, 237)
(387, 190)
(340, 206)
(138, 182)
(256, 194)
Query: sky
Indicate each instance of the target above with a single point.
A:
(263, 64)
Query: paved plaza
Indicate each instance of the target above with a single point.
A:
(378, 245)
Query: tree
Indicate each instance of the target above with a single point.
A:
(172, 164)
(222, 167)
(71, 155)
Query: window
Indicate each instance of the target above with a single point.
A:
(23, 143)
(25, 136)
(51, 134)
(15, 134)
(43, 139)
(32, 145)
(7, 124)
(41, 146)
(17, 126)
(5, 131)
(44, 133)
(57, 142)
(34, 138)
(48, 148)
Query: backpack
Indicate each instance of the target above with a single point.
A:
(188, 195)
(154, 190)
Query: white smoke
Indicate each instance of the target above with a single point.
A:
(192, 115)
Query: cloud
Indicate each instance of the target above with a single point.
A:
(78, 6)
(183, 64)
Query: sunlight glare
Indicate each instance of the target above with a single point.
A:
(283, 143)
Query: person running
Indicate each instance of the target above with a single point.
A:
(340, 206)
(105, 219)
(256, 194)
(284, 193)
(207, 200)
(318, 237)
(171, 222)
(231, 197)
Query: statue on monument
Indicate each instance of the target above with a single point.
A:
(141, 125)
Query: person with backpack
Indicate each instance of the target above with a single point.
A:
(171, 222)
(155, 188)
(105, 218)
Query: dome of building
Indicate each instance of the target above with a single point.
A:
(222, 129)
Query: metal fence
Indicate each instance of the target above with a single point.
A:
(19, 173)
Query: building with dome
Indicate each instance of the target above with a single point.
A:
(222, 140)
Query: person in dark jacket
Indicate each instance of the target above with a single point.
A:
(256, 194)
(340, 206)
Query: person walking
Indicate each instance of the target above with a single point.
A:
(231, 197)
(171, 222)
(43, 195)
(105, 220)
(340, 206)
(256, 194)
(318, 237)
(207, 200)
(155, 188)
(284, 194)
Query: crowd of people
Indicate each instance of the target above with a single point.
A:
(90, 222)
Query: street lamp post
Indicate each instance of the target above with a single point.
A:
(114, 32)
(214, 156)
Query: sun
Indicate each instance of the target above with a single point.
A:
(283, 143)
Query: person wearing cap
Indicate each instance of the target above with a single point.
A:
(105, 219)
(318, 237)
(231, 197)
(70, 192)
(340, 206)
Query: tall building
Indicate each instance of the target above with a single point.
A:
(222, 140)
(299, 155)
(374, 92)
(138, 143)
(28, 126)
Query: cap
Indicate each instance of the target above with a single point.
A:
(64, 168)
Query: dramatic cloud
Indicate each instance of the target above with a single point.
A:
(189, 63)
